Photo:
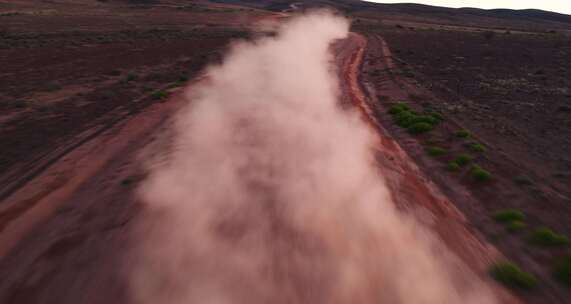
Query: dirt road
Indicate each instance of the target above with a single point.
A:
(65, 232)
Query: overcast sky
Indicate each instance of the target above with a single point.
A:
(560, 6)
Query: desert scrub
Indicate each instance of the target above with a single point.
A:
(508, 215)
(462, 134)
(158, 95)
(476, 147)
(415, 123)
(419, 127)
(436, 151)
(436, 116)
(425, 118)
(562, 270)
(479, 174)
(405, 119)
(548, 238)
(463, 159)
(512, 276)
(399, 107)
(516, 226)
(452, 166)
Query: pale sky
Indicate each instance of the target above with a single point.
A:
(560, 6)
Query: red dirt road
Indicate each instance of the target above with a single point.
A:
(65, 233)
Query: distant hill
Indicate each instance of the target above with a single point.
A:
(528, 19)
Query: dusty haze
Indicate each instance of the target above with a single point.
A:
(271, 194)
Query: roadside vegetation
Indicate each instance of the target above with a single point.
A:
(159, 95)
(508, 215)
(414, 122)
(436, 151)
(512, 276)
(463, 159)
(546, 237)
(479, 174)
(462, 134)
(476, 147)
(512, 219)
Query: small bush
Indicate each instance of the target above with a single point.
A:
(436, 116)
(515, 226)
(548, 238)
(508, 215)
(420, 127)
(425, 118)
(512, 276)
(476, 147)
(405, 118)
(399, 107)
(463, 159)
(479, 174)
(452, 166)
(562, 270)
(158, 95)
(436, 151)
(463, 134)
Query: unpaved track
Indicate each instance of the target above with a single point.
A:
(70, 246)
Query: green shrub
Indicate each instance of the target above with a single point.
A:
(476, 147)
(452, 166)
(420, 127)
(436, 151)
(548, 238)
(479, 174)
(515, 226)
(512, 276)
(425, 118)
(463, 159)
(562, 270)
(399, 107)
(159, 95)
(508, 215)
(436, 116)
(463, 134)
(405, 118)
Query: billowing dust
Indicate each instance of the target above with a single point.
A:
(271, 195)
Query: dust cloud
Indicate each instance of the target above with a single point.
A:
(270, 194)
